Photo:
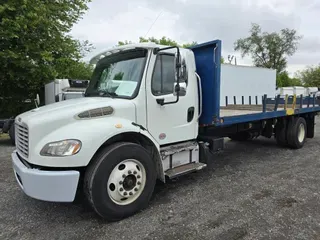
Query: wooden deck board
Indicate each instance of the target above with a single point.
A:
(234, 112)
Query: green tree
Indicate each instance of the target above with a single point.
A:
(163, 41)
(74, 70)
(283, 80)
(35, 46)
(310, 77)
(269, 50)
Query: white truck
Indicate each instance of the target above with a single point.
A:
(150, 112)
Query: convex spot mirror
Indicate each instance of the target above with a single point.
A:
(182, 89)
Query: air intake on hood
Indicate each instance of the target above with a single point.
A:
(97, 112)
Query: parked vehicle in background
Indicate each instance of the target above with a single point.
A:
(55, 91)
(297, 90)
(64, 89)
(150, 112)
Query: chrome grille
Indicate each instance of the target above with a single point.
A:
(22, 139)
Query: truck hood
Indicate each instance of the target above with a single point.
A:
(65, 111)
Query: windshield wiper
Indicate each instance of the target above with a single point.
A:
(107, 93)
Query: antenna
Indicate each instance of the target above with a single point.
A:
(153, 24)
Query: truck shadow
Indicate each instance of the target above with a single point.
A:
(223, 163)
(226, 162)
(236, 155)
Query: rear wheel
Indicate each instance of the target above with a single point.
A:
(296, 133)
(120, 181)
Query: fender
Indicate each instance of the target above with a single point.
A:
(92, 133)
(144, 135)
(161, 175)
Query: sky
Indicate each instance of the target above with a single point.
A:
(107, 22)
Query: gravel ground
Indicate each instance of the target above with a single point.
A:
(252, 190)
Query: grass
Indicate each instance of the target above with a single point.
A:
(4, 136)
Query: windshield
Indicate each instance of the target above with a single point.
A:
(118, 75)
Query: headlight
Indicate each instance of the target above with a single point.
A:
(61, 148)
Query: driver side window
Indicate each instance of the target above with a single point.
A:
(163, 77)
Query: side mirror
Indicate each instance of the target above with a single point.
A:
(181, 90)
(178, 90)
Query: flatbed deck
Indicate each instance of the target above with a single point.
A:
(237, 110)
(233, 114)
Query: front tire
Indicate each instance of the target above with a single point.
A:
(120, 181)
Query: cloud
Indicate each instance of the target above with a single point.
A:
(108, 22)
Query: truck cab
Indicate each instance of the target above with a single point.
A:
(138, 120)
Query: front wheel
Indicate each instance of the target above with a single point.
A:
(120, 181)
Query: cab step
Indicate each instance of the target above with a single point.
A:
(184, 169)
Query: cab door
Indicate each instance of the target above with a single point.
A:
(174, 122)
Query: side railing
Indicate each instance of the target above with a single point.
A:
(286, 102)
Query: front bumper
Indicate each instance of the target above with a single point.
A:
(53, 186)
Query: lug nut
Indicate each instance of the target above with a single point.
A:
(121, 189)
(136, 189)
(120, 182)
(125, 193)
(138, 183)
(130, 193)
(123, 175)
(138, 176)
(135, 172)
(129, 172)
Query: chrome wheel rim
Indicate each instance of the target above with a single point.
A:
(126, 182)
(301, 133)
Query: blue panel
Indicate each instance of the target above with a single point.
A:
(251, 117)
(315, 109)
(208, 57)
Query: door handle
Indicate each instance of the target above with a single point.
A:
(190, 114)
